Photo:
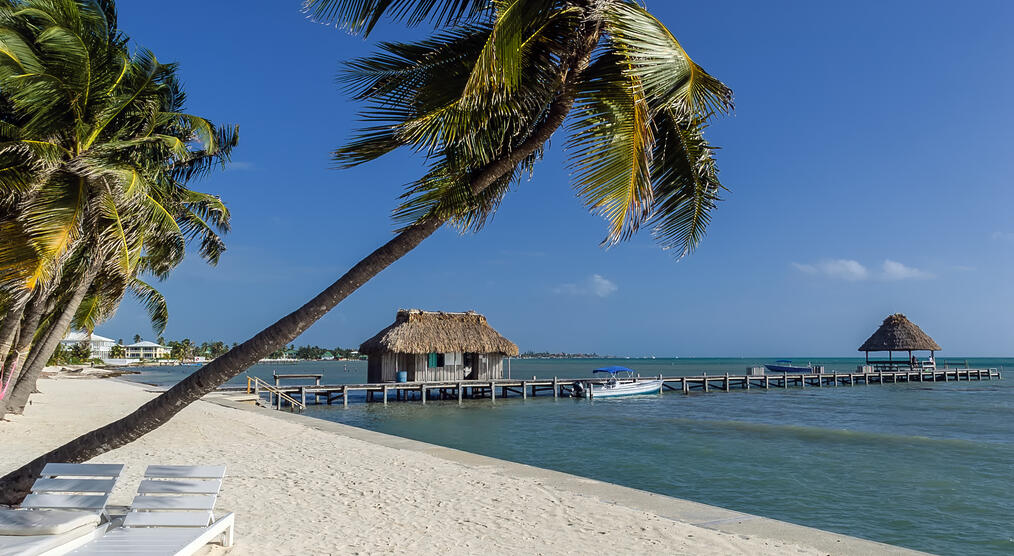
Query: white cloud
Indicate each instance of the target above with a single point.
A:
(854, 271)
(596, 285)
(893, 270)
(844, 269)
(239, 165)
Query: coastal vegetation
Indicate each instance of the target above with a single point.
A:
(95, 157)
(480, 99)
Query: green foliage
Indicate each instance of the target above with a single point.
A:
(117, 352)
(474, 92)
(95, 156)
(80, 352)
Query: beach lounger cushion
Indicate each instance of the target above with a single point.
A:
(44, 522)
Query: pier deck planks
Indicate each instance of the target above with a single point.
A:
(564, 386)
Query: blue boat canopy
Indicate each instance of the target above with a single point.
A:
(613, 369)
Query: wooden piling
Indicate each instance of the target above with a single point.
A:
(492, 391)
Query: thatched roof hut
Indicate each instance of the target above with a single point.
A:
(897, 333)
(437, 345)
(416, 331)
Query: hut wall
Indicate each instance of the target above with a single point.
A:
(384, 367)
(373, 366)
(489, 366)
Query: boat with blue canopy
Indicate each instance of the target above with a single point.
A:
(786, 366)
(620, 382)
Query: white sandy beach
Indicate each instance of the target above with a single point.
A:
(299, 490)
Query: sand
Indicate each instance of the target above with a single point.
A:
(299, 490)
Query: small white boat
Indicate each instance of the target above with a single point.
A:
(621, 382)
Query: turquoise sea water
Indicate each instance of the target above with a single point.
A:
(928, 466)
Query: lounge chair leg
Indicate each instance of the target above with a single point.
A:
(227, 541)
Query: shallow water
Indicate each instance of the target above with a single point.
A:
(927, 466)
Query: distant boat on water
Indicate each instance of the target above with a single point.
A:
(621, 382)
(786, 366)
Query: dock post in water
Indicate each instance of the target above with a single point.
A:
(524, 389)
(492, 391)
(556, 389)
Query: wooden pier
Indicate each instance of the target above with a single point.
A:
(296, 397)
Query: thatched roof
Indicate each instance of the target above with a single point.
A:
(897, 333)
(416, 331)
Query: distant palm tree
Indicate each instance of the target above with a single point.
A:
(95, 153)
(479, 100)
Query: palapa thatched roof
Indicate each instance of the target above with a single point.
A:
(416, 331)
(897, 333)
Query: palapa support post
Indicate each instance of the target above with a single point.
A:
(726, 382)
(422, 393)
(686, 386)
(556, 389)
(302, 395)
(524, 389)
(706, 385)
(767, 382)
(385, 394)
(492, 391)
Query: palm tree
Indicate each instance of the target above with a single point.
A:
(94, 157)
(480, 99)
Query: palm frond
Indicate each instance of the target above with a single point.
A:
(610, 147)
(671, 79)
(154, 303)
(685, 183)
(361, 16)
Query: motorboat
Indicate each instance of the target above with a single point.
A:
(620, 382)
(786, 366)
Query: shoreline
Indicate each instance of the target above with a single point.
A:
(343, 489)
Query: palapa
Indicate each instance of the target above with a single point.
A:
(420, 332)
(897, 333)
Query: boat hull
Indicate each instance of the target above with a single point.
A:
(788, 369)
(639, 388)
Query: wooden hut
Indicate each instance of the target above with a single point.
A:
(897, 333)
(434, 345)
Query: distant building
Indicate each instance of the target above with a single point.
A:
(431, 345)
(146, 350)
(100, 344)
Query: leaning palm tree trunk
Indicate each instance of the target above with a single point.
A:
(25, 384)
(15, 485)
(29, 322)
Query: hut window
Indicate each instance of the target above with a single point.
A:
(435, 360)
(452, 358)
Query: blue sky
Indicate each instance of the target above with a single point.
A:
(868, 163)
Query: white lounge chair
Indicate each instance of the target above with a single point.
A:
(171, 514)
(66, 509)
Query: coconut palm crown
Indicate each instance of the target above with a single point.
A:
(478, 88)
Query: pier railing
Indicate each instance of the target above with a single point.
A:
(297, 396)
(255, 385)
